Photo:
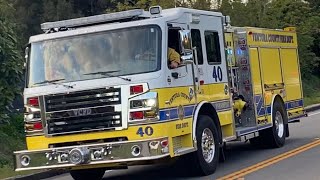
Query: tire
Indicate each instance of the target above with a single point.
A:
(84, 174)
(201, 165)
(275, 136)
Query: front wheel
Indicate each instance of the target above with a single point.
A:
(206, 158)
(84, 174)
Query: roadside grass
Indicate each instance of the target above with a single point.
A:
(11, 139)
(311, 90)
(7, 171)
(311, 100)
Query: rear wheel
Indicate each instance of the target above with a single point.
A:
(275, 136)
(206, 158)
(84, 174)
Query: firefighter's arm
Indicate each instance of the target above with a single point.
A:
(174, 56)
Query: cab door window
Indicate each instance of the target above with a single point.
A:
(212, 47)
(174, 50)
(196, 42)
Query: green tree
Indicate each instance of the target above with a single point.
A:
(10, 59)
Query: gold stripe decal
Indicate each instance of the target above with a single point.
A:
(266, 163)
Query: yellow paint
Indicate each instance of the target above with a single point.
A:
(291, 74)
(255, 70)
(297, 112)
(271, 37)
(159, 130)
(225, 117)
(228, 130)
(270, 63)
(269, 162)
(209, 92)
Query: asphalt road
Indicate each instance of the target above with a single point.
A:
(303, 164)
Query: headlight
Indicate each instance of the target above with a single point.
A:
(29, 117)
(143, 103)
(144, 108)
(151, 102)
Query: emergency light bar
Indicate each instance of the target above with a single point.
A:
(84, 21)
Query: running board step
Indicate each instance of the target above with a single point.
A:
(183, 151)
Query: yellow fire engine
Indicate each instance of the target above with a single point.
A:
(100, 93)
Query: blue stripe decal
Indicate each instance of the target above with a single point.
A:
(188, 111)
(268, 110)
(289, 105)
(294, 104)
(163, 115)
(173, 113)
(260, 105)
(223, 105)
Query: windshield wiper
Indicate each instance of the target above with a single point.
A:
(107, 73)
(55, 83)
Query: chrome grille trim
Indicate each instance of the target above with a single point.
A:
(82, 111)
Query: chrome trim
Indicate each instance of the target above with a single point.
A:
(230, 138)
(32, 120)
(145, 96)
(94, 163)
(183, 151)
(113, 152)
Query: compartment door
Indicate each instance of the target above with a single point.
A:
(291, 73)
(257, 85)
(271, 75)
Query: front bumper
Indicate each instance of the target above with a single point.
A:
(93, 154)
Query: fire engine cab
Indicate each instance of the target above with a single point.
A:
(100, 92)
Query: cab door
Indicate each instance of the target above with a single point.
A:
(208, 37)
(180, 92)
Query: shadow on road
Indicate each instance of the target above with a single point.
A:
(238, 155)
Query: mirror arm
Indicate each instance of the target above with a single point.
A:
(197, 66)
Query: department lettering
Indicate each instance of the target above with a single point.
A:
(260, 37)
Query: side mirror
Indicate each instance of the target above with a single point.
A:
(26, 53)
(187, 59)
(185, 42)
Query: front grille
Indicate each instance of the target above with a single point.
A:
(88, 110)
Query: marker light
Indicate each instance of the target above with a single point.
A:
(154, 10)
(136, 89)
(33, 101)
(137, 115)
(37, 126)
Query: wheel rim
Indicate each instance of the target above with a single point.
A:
(279, 124)
(208, 146)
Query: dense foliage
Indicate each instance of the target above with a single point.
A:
(10, 60)
(19, 19)
(24, 18)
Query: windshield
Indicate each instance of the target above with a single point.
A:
(116, 53)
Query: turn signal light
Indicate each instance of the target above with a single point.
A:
(33, 126)
(37, 126)
(34, 101)
(164, 143)
(136, 89)
(136, 115)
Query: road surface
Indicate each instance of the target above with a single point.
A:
(298, 159)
